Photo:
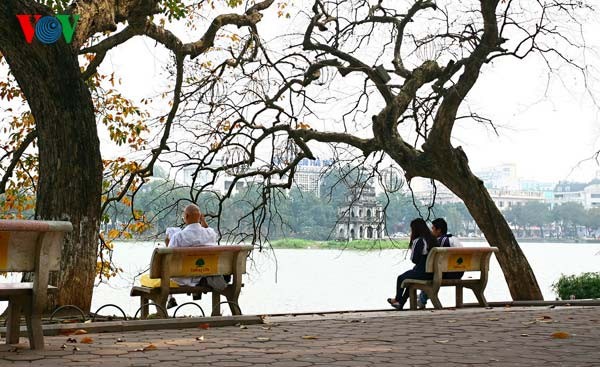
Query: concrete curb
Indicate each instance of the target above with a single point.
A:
(141, 325)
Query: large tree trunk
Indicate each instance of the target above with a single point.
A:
(455, 174)
(70, 165)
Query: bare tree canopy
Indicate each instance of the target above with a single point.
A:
(383, 81)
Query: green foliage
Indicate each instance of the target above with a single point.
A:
(174, 9)
(584, 286)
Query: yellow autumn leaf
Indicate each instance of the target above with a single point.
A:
(149, 347)
(561, 335)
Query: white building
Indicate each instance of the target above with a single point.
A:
(588, 195)
(591, 196)
(309, 174)
(503, 198)
(502, 177)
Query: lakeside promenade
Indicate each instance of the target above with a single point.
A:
(514, 336)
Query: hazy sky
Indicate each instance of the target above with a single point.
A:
(546, 128)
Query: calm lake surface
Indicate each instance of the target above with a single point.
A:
(328, 280)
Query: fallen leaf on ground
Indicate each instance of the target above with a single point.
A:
(545, 317)
(441, 341)
(204, 326)
(79, 332)
(493, 319)
(119, 340)
(75, 349)
(86, 340)
(483, 341)
(524, 334)
(309, 337)
(262, 339)
(561, 335)
(149, 347)
(71, 340)
(243, 327)
(266, 327)
(64, 346)
(200, 338)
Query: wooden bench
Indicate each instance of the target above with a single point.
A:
(29, 246)
(453, 259)
(167, 263)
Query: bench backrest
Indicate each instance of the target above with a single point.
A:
(199, 261)
(456, 259)
(31, 245)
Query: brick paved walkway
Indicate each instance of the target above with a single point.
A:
(498, 337)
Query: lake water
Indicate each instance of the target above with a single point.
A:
(328, 280)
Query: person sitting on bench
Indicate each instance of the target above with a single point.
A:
(421, 242)
(196, 233)
(439, 228)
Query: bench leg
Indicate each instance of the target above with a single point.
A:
(233, 299)
(13, 320)
(480, 297)
(235, 308)
(145, 308)
(435, 300)
(34, 328)
(161, 301)
(459, 296)
(216, 304)
(412, 291)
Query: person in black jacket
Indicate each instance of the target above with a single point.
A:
(421, 242)
(439, 229)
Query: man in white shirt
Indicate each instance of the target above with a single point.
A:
(196, 233)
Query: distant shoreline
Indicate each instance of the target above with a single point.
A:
(362, 245)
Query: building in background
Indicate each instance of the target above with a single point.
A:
(586, 194)
(503, 177)
(309, 174)
(362, 217)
